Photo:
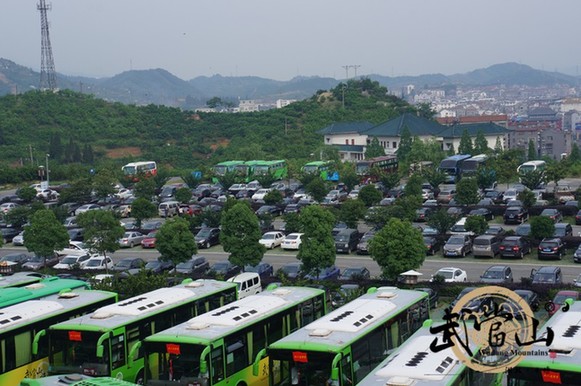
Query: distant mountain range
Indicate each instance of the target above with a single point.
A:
(158, 86)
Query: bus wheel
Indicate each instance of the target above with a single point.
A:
(139, 379)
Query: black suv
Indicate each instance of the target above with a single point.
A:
(551, 248)
(207, 237)
(514, 246)
(346, 241)
(515, 215)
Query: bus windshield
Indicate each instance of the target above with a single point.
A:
(129, 170)
(261, 169)
(74, 350)
(362, 167)
(220, 170)
(174, 362)
(313, 369)
(310, 168)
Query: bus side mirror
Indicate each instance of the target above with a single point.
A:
(100, 346)
(37, 337)
(132, 353)
(256, 365)
(335, 376)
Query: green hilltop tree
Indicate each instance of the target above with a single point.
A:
(239, 235)
(542, 227)
(102, 231)
(183, 195)
(397, 247)
(26, 194)
(575, 155)
(441, 221)
(480, 143)
(369, 195)
(351, 212)
(142, 209)
(316, 189)
(476, 224)
(405, 146)
(374, 149)
(175, 242)
(465, 146)
(467, 192)
(434, 176)
(45, 234)
(317, 249)
(144, 188)
(532, 178)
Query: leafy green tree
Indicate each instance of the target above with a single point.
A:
(55, 147)
(451, 150)
(104, 183)
(532, 179)
(374, 149)
(102, 231)
(273, 197)
(316, 189)
(465, 146)
(142, 209)
(527, 198)
(434, 176)
(441, 221)
(389, 180)
(18, 216)
(351, 212)
(542, 227)
(378, 216)
(413, 188)
(498, 146)
(183, 195)
(369, 195)
(425, 110)
(175, 242)
(480, 143)
(212, 218)
(144, 188)
(397, 248)
(555, 172)
(292, 223)
(239, 236)
(214, 102)
(476, 224)
(532, 151)
(229, 178)
(405, 145)
(317, 249)
(467, 192)
(485, 177)
(26, 194)
(79, 191)
(348, 175)
(575, 155)
(405, 207)
(505, 165)
(45, 234)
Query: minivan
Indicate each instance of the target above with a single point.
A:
(346, 240)
(168, 209)
(248, 284)
(486, 245)
(547, 275)
(460, 228)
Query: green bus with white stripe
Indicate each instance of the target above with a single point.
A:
(23, 341)
(38, 289)
(107, 341)
(228, 346)
(346, 345)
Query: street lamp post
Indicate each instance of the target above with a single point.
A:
(47, 172)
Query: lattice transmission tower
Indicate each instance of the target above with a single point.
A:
(47, 72)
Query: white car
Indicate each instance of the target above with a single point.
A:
(124, 194)
(8, 206)
(86, 208)
(451, 274)
(97, 262)
(47, 194)
(69, 261)
(292, 241)
(272, 239)
(74, 248)
(260, 194)
(131, 239)
(18, 239)
(427, 194)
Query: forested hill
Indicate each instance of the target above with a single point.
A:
(42, 121)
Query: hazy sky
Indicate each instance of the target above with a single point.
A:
(282, 39)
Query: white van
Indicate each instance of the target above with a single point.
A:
(460, 229)
(169, 209)
(248, 284)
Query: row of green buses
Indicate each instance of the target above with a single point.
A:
(23, 326)
(74, 380)
(19, 279)
(13, 292)
(250, 170)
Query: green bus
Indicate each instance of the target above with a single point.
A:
(221, 168)
(414, 363)
(322, 168)
(560, 362)
(278, 169)
(228, 346)
(19, 279)
(39, 289)
(75, 380)
(346, 345)
(105, 342)
(246, 170)
(23, 343)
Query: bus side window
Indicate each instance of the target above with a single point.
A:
(117, 351)
(217, 365)
(236, 353)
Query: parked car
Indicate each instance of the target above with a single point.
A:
(271, 210)
(36, 262)
(451, 274)
(158, 266)
(445, 196)
(197, 265)
(272, 240)
(74, 248)
(128, 263)
(207, 237)
(458, 245)
(515, 215)
(523, 230)
(148, 226)
(224, 268)
(460, 228)
(327, 273)
(18, 240)
(530, 297)
(577, 255)
(8, 234)
(8, 206)
(423, 213)
(71, 222)
(553, 214)
(578, 218)
(131, 239)
(432, 244)
(149, 240)
(548, 274)
(551, 248)
(563, 229)
(355, 273)
(484, 212)
(486, 245)
(70, 261)
(98, 262)
(75, 234)
(560, 298)
(577, 281)
(497, 274)
(264, 270)
(16, 259)
(291, 270)
(260, 194)
(433, 295)
(496, 196)
(346, 241)
(292, 241)
(495, 230)
(514, 246)
(86, 208)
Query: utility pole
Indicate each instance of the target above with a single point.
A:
(47, 71)
(346, 71)
(355, 67)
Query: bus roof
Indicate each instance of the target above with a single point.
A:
(534, 163)
(414, 363)
(138, 307)
(229, 163)
(273, 162)
(318, 163)
(458, 157)
(74, 380)
(214, 324)
(24, 313)
(339, 328)
(19, 279)
(48, 286)
(138, 163)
